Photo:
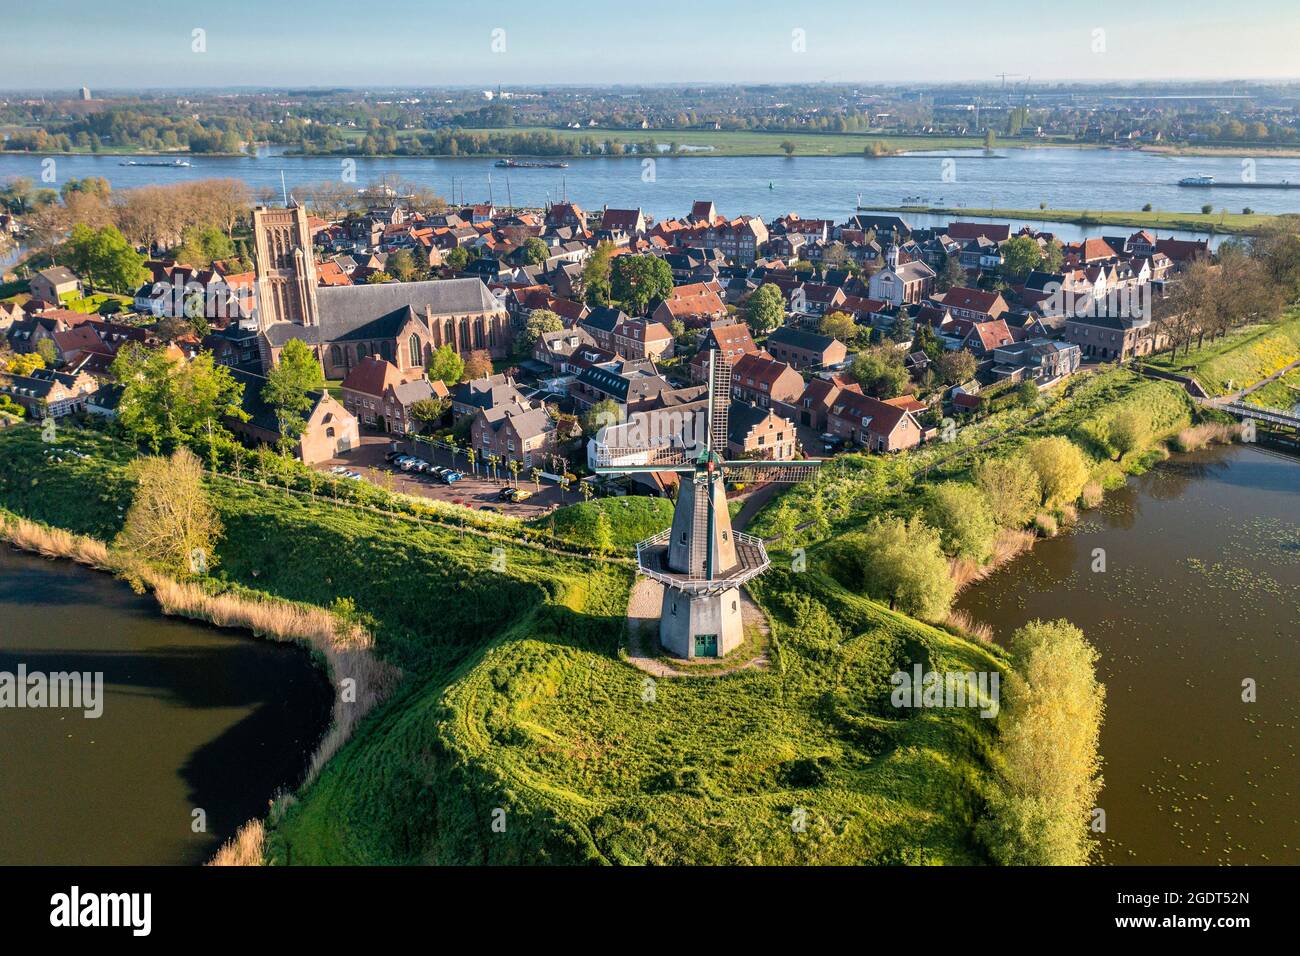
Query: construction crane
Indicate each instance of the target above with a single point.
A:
(1008, 76)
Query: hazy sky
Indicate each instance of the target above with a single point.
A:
(149, 43)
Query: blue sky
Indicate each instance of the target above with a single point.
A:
(108, 43)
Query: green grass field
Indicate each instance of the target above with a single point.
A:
(757, 142)
(515, 699)
(1222, 221)
(1240, 358)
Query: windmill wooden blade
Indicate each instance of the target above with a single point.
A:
(750, 472)
(719, 401)
(700, 536)
(614, 457)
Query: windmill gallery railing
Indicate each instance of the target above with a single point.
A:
(751, 560)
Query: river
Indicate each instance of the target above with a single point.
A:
(194, 718)
(1200, 592)
(813, 186)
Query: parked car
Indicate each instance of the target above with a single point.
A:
(393, 455)
(514, 494)
(449, 476)
(832, 443)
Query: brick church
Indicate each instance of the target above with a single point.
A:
(403, 322)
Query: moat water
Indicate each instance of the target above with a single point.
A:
(1200, 593)
(200, 727)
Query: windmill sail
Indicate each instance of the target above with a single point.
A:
(750, 472)
(719, 402)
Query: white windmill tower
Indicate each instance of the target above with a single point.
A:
(700, 560)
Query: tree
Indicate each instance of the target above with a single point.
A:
(1049, 728)
(534, 251)
(478, 364)
(49, 354)
(200, 247)
(539, 321)
(880, 371)
(765, 309)
(956, 367)
(455, 259)
(1021, 255)
(961, 513)
(429, 412)
(788, 147)
(951, 274)
(446, 366)
(105, 259)
(287, 384)
(171, 522)
(1010, 487)
(838, 325)
(167, 401)
(1027, 393)
(25, 363)
(401, 265)
(1128, 431)
(604, 412)
(901, 562)
(637, 280)
(379, 277)
(596, 275)
(1061, 468)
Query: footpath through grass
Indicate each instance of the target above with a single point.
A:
(515, 707)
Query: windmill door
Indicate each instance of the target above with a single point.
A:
(706, 645)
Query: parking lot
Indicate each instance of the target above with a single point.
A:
(472, 491)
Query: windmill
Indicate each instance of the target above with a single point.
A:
(701, 561)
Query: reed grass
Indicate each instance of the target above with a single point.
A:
(1009, 543)
(246, 848)
(966, 626)
(1205, 434)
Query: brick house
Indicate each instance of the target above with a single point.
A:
(330, 428)
(732, 339)
(978, 305)
(513, 434)
(642, 338)
(1112, 339)
(365, 386)
(47, 391)
(817, 400)
(399, 398)
(488, 392)
(805, 349)
(754, 432)
(48, 284)
(875, 425)
(763, 381)
(694, 305)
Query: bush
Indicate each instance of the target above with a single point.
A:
(1050, 724)
(960, 512)
(898, 561)
(1011, 487)
(1061, 468)
(1129, 431)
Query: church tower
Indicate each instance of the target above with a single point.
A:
(286, 267)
